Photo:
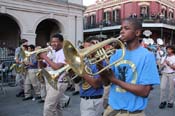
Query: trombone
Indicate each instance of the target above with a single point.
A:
(79, 60)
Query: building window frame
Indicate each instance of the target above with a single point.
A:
(144, 11)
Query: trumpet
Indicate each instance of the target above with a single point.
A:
(28, 54)
(80, 60)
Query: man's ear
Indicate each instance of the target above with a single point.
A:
(138, 32)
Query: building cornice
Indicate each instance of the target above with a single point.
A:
(112, 3)
(42, 7)
(56, 3)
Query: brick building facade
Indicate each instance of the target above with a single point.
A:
(105, 16)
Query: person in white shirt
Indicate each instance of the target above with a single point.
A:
(54, 61)
(168, 73)
(160, 56)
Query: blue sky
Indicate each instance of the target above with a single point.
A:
(88, 2)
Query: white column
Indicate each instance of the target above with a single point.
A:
(30, 37)
(3, 9)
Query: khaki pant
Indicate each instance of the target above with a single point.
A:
(43, 91)
(165, 80)
(52, 101)
(109, 112)
(77, 87)
(31, 81)
(91, 107)
(19, 81)
(64, 100)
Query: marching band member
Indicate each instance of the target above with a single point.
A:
(133, 77)
(55, 61)
(19, 60)
(91, 97)
(168, 73)
(31, 80)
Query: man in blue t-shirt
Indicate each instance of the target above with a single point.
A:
(132, 78)
(91, 92)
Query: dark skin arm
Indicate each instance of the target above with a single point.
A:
(41, 64)
(53, 65)
(139, 90)
(94, 82)
(170, 65)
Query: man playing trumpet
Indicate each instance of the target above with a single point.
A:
(91, 91)
(133, 77)
(53, 61)
(31, 80)
(19, 57)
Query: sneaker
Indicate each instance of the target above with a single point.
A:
(75, 93)
(27, 98)
(41, 101)
(37, 98)
(33, 99)
(20, 94)
(162, 105)
(170, 105)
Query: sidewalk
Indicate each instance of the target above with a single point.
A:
(10, 105)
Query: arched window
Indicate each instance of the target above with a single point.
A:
(144, 11)
(93, 19)
(164, 12)
(170, 15)
(115, 15)
(107, 18)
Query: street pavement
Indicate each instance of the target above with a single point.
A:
(10, 105)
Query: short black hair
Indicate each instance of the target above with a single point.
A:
(23, 41)
(32, 46)
(136, 22)
(90, 38)
(171, 47)
(59, 36)
(25, 47)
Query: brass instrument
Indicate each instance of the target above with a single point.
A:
(19, 68)
(79, 60)
(53, 75)
(28, 54)
(39, 75)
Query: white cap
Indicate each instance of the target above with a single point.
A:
(150, 41)
(145, 41)
(159, 41)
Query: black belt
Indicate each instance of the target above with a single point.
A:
(171, 73)
(91, 97)
(62, 81)
(114, 112)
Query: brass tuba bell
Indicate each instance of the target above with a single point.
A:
(79, 60)
(52, 75)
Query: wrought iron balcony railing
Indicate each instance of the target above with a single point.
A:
(151, 19)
